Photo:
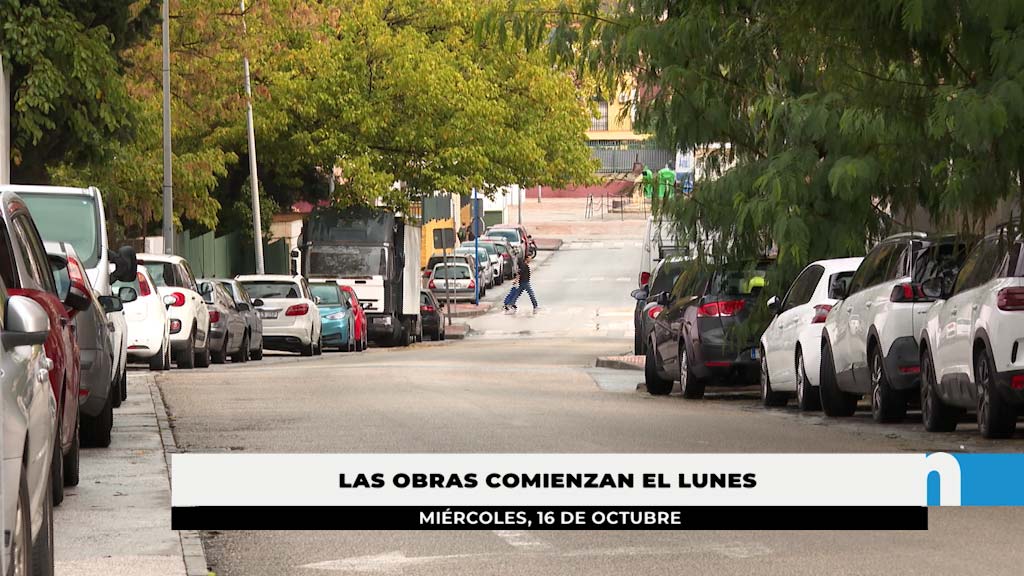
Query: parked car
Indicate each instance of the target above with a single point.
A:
(432, 312)
(291, 319)
(483, 260)
(149, 325)
(869, 342)
(189, 318)
(465, 258)
(524, 237)
(703, 333)
(228, 336)
(29, 428)
(247, 306)
(452, 279)
(360, 316)
(666, 272)
(659, 242)
(970, 345)
(519, 249)
(496, 262)
(77, 216)
(791, 345)
(336, 315)
(26, 271)
(509, 264)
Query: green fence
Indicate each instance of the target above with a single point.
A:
(230, 255)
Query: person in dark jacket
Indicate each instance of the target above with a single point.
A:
(522, 285)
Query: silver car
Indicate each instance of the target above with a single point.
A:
(29, 426)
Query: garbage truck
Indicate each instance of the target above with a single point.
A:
(377, 253)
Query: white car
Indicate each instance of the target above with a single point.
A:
(869, 344)
(189, 319)
(483, 259)
(291, 319)
(971, 357)
(455, 280)
(791, 345)
(149, 324)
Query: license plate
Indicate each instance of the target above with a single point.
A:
(267, 314)
(380, 320)
(755, 354)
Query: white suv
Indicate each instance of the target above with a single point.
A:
(791, 345)
(869, 344)
(971, 346)
(291, 318)
(189, 318)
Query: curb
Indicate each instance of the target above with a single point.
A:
(616, 364)
(192, 552)
(548, 244)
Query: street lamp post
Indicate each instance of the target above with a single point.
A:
(5, 124)
(476, 250)
(168, 224)
(257, 226)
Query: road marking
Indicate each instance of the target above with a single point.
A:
(623, 279)
(387, 563)
(597, 279)
(522, 539)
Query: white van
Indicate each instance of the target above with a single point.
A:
(659, 242)
(77, 216)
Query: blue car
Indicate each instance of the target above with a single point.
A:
(336, 315)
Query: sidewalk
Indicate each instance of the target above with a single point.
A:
(628, 362)
(118, 519)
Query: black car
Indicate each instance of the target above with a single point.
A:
(662, 279)
(703, 333)
(247, 305)
(432, 316)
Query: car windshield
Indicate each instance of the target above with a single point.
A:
(488, 247)
(70, 218)
(453, 272)
(328, 293)
(742, 283)
(347, 261)
(272, 289)
(942, 259)
(510, 235)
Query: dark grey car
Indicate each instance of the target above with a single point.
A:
(247, 305)
(228, 335)
(662, 280)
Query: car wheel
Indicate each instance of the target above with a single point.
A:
(242, 356)
(257, 353)
(996, 417)
(691, 386)
(638, 340)
(57, 471)
(187, 357)
(220, 356)
(204, 356)
(769, 397)
(96, 431)
(309, 349)
(834, 402)
(936, 415)
(73, 458)
(656, 385)
(42, 548)
(20, 560)
(442, 333)
(319, 345)
(807, 397)
(887, 403)
(117, 387)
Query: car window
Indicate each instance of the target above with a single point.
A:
(666, 274)
(33, 253)
(981, 265)
(453, 272)
(272, 288)
(162, 274)
(745, 283)
(188, 279)
(8, 267)
(868, 268)
(241, 293)
(802, 290)
(1016, 260)
(71, 218)
(940, 259)
(329, 294)
(424, 299)
(896, 265)
(887, 264)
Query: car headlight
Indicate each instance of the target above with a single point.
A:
(336, 316)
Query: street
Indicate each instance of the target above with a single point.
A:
(527, 383)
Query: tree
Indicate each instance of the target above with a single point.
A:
(840, 116)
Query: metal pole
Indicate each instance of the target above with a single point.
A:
(447, 284)
(519, 196)
(257, 226)
(538, 194)
(168, 224)
(476, 249)
(5, 124)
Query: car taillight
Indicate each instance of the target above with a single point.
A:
(1017, 382)
(432, 286)
(214, 316)
(645, 278)
(653, 311)
(1010, 299)
(426, 308)
(506, 256)
(472, 284)
(179, 299)
(144, 289)
(821, 313)
(722, 309)
(297, 310)
(907, 292)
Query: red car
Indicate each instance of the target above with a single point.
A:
(524, 236)
(26, 270)
(360, 314)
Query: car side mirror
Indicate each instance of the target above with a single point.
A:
(169, 301)
(205, 288)
(111, 304)
(257, 302)
(125, 264)
(127, 294)
(295, 253)
(774, 305)
(639, 294)
(26, 323)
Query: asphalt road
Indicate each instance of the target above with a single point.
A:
(526, 383)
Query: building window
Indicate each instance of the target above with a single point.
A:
(600, 123)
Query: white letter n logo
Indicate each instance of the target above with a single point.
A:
(943, 479)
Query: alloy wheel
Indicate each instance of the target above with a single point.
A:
(983, 396)
(683, 368)
(764, 377)
(876, 386)
(20, 543)
(801, 381)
